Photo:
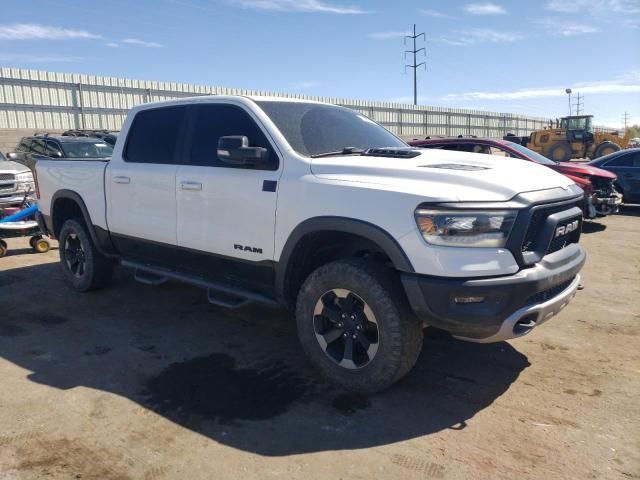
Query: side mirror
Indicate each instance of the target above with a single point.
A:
(56, 154)
(235, 150)
(12, 156)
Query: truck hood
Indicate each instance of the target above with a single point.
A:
(7, 166)
(581, 169)
(442, 175)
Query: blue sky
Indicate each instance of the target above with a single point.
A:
(509, 56)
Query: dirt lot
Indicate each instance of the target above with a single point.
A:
(137, 382)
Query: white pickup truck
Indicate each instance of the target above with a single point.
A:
(16, 182)
(318, 208)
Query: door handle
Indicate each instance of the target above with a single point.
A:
(121, 179)
(190, 185)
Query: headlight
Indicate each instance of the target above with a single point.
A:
(465, 228)
(24, 177)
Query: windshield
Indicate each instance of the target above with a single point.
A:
(2, 157)
(535, 156)
(577, 123)
(313, 129)
(87, 149)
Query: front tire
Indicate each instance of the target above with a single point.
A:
(83, 267)
(355, 326)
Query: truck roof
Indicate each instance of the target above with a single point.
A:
(218, 98)
(64, 138)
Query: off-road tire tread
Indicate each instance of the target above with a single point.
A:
(98, 268)
(401, 341)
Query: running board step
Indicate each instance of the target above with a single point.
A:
(226, 300)
(149, 278)
(220, 294)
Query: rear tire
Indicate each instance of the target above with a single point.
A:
(83, 267)
(606, 148)
(3, 248)
(560, 152)
(362, 304)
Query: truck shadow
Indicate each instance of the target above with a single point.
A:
(593, 227)
(237, 377)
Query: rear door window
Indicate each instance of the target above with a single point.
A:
(154, 135)
(24, 145)
(473, 148)
(38, 147)
(443, 146)
(498, 152)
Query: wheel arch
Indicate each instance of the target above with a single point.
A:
(290, 268)
(66, 204)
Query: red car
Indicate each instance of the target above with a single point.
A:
(601, 197)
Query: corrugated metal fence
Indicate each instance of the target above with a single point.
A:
(47, 100)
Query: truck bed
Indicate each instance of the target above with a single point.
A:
(84, 177)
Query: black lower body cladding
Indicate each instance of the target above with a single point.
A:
(433, 299)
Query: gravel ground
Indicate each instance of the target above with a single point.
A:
(139, 382)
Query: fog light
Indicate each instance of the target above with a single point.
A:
(468, 299)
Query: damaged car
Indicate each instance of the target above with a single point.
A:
(601, 196)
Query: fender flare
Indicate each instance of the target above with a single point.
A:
(364, 229)
(102, 242)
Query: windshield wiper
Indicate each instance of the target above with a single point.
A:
(344, 151)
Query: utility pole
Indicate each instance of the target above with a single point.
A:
(625, 118)
(415, 65)
(579, 104)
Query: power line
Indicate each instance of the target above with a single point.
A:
(625, 119)
(579, 104)
(415, 65)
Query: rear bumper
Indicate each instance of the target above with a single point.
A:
(511, 305)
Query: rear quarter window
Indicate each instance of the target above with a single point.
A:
(153, 136)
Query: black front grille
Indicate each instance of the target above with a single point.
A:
(537, 223)
(561, 242)
(7, 176)
(549, 293)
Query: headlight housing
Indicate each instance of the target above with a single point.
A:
(24, 177)
(465, 228)
(24, 182)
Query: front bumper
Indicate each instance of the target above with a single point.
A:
(512, 305)
(12, 200)
(606, 205)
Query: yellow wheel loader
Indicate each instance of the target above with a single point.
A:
(573, 137)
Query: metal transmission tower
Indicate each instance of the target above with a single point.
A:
(579, 104)
(625, 119)
(415, 65)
